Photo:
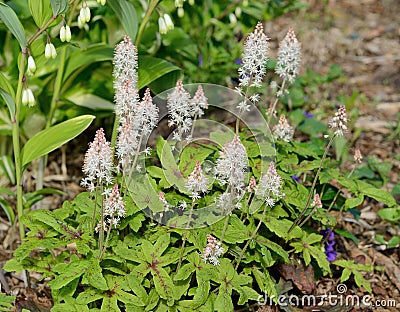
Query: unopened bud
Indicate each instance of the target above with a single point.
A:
(162, 27)
(62, 34)
(191, 2)
(31, 98)
(238, 12)
(50, 51)
(232, 19)
(168, 22)
(102, 2)
(87, 14)
(31, 65)
(67, 33)
(181, 12)
(25, 97)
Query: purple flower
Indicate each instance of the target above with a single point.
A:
(238, 61)
(308, 115)
(329, 244)
(201, 60)
(296, 178)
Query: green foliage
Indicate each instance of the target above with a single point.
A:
(351, 268)
(6, 302)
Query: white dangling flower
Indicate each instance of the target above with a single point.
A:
(31, 98)
(168, 22)
(63, 34)
(31, 65)
(162, 27)
(25, 98)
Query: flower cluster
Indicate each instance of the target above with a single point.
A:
(199, 103)
(270, 186)
(197, 182)
(316, 202)
(283, 130)
(28, 98)
(165, 24)
(137, 118)
(213, 250)
(254, 58)
(357, 156)
(232, 164)
(98, 162)
(50, 51)
(330, 242)
(180, 112)
(65, 33)
(252, 187)
(125, 65)
(114, 207)
(287, 66)
(134, 127)
(339, 122)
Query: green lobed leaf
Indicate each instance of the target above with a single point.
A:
(390, 214)
(70, 272)
(171, 169)
(379, 195)
(40, 10)
(10, 19)
(49, 139)
(127, 15)
(94, 275)
(163, 283)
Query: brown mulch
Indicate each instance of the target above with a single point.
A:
(363, 37)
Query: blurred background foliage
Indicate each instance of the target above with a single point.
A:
(204, 46)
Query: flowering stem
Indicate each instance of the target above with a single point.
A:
(185, 235)
(101, 233)
(312, 188)
(252, 237)
(271, 112)
(340, 211)
(16, 142)
(245, 98)
(103, 250)
(95, 208)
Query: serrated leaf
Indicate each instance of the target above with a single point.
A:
(345, 275)
(13, 265)
(320, 256)
(137, 287)
(128, 298)
(161, 244)
(223, 302)
(184, 272)
(379, 195)
(49, 139)
(163, 283)
(70, 272)
(276, 248)
(10, 19)
(127, 15)
(361, 281)
(170, 167)
(189, 156)
(94, 275)
(89, 295)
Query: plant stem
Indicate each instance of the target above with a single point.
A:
(101, 233)
(16, 143)
(312, 187)
(185, 235)
(271, 112)
(252, 236)
(150, 9)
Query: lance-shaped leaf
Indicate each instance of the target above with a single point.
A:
(49, 139)
(127, 15)
(59, 6)
(10, 19)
